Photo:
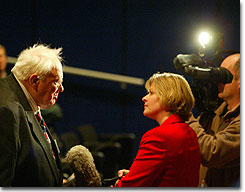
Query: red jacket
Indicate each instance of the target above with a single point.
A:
(168, 156)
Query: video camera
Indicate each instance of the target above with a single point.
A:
(206, 77)
(206, 73)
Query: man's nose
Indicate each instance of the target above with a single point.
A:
(61, 88)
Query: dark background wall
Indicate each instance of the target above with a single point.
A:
(135, 38)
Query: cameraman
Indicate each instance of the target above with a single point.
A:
(219, 133)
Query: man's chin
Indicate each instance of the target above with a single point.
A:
(47, 106)
(220, 96)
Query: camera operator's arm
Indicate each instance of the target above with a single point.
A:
(219, 142)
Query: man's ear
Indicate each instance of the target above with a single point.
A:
(34, 81)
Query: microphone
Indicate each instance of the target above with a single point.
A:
(183, 60)
(81, 163)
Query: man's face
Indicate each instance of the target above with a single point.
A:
(228, 91)
(3, 60)
(48, 89)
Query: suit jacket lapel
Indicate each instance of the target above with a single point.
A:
(55, 148)
(38, 133)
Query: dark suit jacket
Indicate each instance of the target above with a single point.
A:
(25, 155)
(168, 156)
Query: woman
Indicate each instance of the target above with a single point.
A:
(169, 154)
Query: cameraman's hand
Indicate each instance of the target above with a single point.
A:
(120, 174)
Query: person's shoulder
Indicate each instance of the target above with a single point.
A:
(3, 83)
(12, 105)
(7, 95)
(173, 131)
(157, 133)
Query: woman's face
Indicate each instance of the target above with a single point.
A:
(152, 105)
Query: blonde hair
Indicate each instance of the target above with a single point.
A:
(174, 92)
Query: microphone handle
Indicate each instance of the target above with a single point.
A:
(111, 181)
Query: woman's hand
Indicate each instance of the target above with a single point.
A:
(120, 174)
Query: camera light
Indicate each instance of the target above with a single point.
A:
(204, 38)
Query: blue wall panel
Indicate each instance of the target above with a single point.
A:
(92, 35)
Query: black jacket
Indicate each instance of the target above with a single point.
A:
(25, 156)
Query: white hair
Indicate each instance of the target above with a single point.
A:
(40, 59)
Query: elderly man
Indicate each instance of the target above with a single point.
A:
(29, 154)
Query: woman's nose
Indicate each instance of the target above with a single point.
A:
(144, 98)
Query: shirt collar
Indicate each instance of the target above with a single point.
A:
(229, 113)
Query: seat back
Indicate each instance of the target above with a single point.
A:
(88, 134)
(69, 139)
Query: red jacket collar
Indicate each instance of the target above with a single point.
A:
(172, 119)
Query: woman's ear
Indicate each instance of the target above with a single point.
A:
(34, 81)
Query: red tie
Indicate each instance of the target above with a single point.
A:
(43, 125)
